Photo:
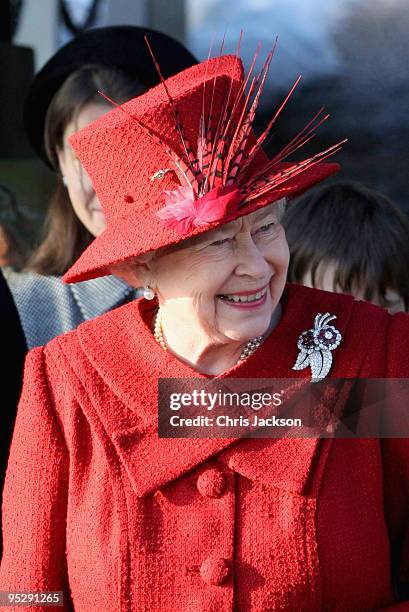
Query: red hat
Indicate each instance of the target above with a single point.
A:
(182, 159)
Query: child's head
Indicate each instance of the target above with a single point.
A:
(350, 239)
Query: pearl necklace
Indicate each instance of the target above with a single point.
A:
(251, 346)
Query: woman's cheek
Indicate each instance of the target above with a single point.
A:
(205, 309)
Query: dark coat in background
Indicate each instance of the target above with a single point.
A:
(11, 373)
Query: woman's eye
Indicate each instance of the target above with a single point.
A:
(267, 227)
(219, 242)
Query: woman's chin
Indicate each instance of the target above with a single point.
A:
(244, 333)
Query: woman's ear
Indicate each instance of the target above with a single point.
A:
(135, 274)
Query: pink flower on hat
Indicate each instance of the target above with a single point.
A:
(183, 212)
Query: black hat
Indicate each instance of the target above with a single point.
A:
(121, 47)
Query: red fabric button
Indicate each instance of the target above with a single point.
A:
(215, 570)
(211, 483)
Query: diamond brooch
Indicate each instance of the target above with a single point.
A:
(315, 346)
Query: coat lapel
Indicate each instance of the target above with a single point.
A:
(284, 463)
(151, 462)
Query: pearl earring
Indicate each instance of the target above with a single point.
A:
(64, 180)
(148, 293)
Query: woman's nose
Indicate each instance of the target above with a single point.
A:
(251, 260)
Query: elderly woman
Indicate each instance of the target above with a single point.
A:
(96, 504)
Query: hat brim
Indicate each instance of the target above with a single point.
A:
(121, 47)
(119, 242)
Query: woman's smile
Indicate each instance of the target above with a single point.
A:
(245, 299)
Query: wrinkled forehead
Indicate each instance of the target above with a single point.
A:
(271, 212)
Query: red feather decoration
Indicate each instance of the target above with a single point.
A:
(226, 149)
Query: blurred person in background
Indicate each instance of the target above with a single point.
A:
(357, 243)
(62, 99)
(16, 234)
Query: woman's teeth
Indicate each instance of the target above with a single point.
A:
(244, 298)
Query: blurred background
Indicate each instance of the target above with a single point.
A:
(353, 56)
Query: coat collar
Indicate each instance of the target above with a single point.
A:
(121, 347)
(99, 295)
(285, 463)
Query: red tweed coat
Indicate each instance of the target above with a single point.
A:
(97, 506)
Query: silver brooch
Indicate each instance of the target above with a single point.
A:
(315, 346)
(160, 174)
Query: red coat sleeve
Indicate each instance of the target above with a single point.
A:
(396, 467)
(395, 454)
(398, 346)
(35, 494)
